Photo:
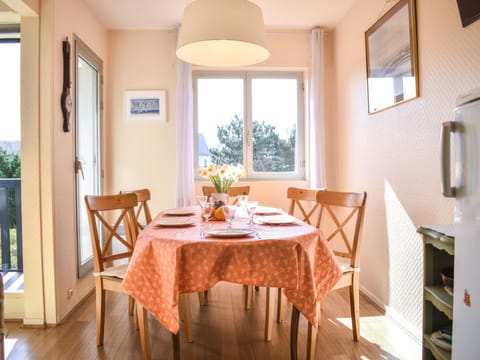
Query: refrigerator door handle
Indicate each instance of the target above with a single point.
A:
(448, 128)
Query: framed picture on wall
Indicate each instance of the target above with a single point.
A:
(391, 52)
(145, 105)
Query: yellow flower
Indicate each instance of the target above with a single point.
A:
(222, 176)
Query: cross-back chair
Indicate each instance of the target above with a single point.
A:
(144, 217)
(233, 192)
(106, 213)
(341, 220)
(142, 211)
(303, 205)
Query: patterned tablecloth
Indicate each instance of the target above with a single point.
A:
(169, 261)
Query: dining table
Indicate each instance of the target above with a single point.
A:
(178, 253)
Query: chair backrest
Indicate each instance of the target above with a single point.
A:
(233, 192)
(303, 204)
(142, 212)
(105, 214)
(343, 235)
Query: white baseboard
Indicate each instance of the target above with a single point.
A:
(392, 314)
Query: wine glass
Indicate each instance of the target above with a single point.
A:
(201, 199)
(242, 202)
(251, 207)
(207, 211)
(229, 212)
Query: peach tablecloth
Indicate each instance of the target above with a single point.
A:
(169, 261)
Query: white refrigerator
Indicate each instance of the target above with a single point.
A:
(461, 179)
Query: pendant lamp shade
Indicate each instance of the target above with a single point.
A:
(222, 33)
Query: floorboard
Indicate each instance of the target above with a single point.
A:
(221, 330)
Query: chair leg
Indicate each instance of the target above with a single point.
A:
(248, 297)
(311, 341)
(100, 309)
(319, 312)
(201, 298)
(279, 306)
(142, 320)
(205, 294)
(268, 315)
(355, 307)
(294, 333)
(176, 346)
(186, 315)
(131, 305)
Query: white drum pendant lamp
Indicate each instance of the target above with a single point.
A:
(222, 33)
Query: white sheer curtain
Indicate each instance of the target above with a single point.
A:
(185, 168)
(317, 115)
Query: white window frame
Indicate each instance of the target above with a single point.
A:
(247, 76)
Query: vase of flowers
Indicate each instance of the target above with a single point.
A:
(222, 177)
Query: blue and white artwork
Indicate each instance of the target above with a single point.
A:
(145, 106)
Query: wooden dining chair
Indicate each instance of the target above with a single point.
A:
(303, 205)
(341, 220)
(142, 211)
(105, 215)
(144, 217)
(233, 192)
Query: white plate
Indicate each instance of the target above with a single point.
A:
(229, 233)
(175, 222)
(265, 210)
(277, 220)
(179, 212)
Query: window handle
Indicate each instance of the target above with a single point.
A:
(79, 167)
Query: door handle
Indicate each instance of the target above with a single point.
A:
(447, 129)
(79, 167)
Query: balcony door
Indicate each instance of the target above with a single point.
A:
(88, 124)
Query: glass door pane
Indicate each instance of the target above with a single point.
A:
(87, 151)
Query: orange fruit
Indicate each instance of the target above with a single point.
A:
(219, 215)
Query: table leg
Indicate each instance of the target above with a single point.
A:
(176, 346)
(268, 315)
(142, 321)
(294, 333)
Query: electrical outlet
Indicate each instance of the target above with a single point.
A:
(69, 293)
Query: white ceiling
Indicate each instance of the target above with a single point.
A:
(167, 14)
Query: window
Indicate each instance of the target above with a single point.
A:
(251, 118)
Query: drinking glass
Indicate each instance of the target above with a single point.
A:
(207, 211)
(229, 212)
(251, 207)
(242, 202)
(201, 199)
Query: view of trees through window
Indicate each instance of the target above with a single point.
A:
(270, 152)
(253, 119)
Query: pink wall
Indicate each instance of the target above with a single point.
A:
(394, 154)
(70, 16)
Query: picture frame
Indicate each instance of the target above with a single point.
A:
(145, 105)
(391, 58)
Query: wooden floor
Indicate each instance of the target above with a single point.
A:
(221, 330)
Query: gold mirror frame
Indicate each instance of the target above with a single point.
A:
(392, 60)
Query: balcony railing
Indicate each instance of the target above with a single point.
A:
(11, 225)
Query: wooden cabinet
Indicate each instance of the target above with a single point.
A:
(438, 253)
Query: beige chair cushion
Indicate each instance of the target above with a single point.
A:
(117, 271)
(346, 268)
